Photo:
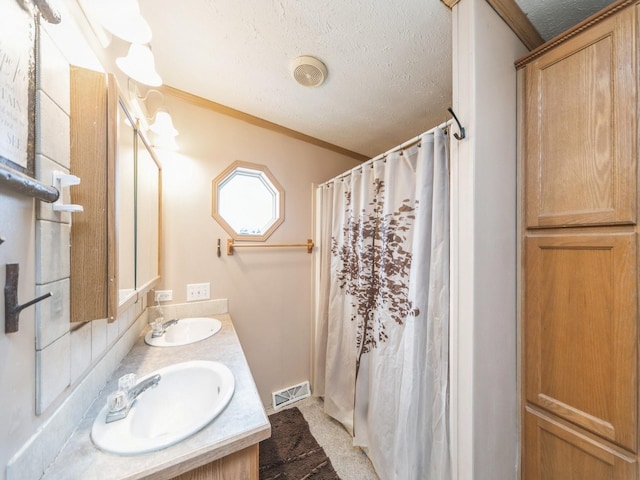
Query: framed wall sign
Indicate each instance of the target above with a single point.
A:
(18, 32)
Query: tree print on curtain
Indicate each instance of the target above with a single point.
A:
(374, 267)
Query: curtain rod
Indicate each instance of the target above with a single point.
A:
(408, 143)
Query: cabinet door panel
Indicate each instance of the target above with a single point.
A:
(580, 144)
(580, 329)
(92, 259)
(241, 465)
(555, 452)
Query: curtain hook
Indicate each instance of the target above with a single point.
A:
(460, 127)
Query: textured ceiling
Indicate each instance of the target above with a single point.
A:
(552, 17)
(389, 61)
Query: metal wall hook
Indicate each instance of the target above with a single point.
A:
(460, 127)
(11, 307)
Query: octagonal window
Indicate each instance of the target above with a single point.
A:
(248, 202)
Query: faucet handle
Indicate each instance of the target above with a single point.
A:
(157, 327)
(117, 401)
(127, 382)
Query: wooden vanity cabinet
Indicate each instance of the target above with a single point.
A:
(240, 465)
(578, 108)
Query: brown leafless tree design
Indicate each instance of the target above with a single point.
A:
(374, 266)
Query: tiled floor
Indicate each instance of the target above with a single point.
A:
(349, 462)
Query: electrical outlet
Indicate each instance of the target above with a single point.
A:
(163, 295)
(198, 291)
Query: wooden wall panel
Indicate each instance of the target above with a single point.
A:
(89, 238)
(580, 144)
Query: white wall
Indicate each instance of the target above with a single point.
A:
(17, 358)
(26, 226)
(269, 290)
(269, 293)
(49, 375)
(484, 369)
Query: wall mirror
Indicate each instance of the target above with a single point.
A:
(125, 205)
(137, 209)
(148, 180)
(247, 201)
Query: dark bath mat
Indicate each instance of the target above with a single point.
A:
(292, 453)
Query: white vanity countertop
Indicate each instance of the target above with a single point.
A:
(241, 424)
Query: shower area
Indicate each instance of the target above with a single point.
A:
(429, 397)
(381, 353)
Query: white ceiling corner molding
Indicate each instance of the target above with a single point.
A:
(513, 16)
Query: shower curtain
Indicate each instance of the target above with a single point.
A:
(381, 333)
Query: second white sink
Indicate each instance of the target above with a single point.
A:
(186, 331)
(187, 397)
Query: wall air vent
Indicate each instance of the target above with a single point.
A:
(290, 395)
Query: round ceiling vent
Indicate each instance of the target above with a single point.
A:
(309, 71)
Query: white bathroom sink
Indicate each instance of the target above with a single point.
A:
(188, 396)
(186, 331)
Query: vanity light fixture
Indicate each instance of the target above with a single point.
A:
(163, 124)
(161, 127)
(123, 19)
(140, 65)
(165, 143)
(164, 133)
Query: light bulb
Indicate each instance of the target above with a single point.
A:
(123, 19)
(140, 65)
(163, 125)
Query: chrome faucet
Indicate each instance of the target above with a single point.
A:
(159, 329)
(121, 401)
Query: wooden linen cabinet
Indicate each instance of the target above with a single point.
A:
(578, 135)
